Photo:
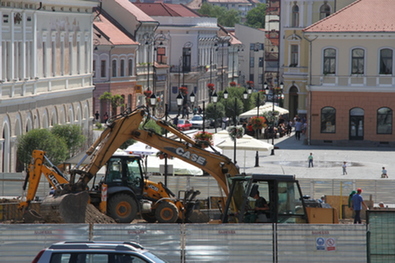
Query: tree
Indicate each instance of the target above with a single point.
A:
(256, 16)
(225, 17)
(72, 134)
(149, 125)
(42, 139)
(114, 100)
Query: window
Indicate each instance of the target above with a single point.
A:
(357, 63)
(186, 59)
(130, 67)
(261, 62)
(386, 61)
(294, 55)
(325, 11)
(328, 120)
(114, 68)
(122, 73)
(295, 16)
(160, 55)
(252, 62)
(384, 121)
(329, 61)
(103, 68)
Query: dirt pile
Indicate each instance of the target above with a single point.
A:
(93, 215)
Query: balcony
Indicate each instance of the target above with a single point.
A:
(353, 80)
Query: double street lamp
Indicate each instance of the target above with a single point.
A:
(245, 96)
(276, 95)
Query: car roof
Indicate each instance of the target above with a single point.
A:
(97, 245)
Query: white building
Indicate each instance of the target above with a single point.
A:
(45, 70)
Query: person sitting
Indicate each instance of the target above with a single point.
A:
(384, 173)
(260, 208)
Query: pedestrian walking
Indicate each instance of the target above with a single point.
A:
(298, 129)
(310, 159)
(344, 166)
(384, 173)
(357, 202)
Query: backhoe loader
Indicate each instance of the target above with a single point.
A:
(122, 195)
(122, 198)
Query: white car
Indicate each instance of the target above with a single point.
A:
(197, 122)
(96, 251)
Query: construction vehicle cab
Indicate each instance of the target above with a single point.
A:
(281, 192)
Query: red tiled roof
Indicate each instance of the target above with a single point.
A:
(163, 9)
(131, 8)
(111, 33)
(360, 16)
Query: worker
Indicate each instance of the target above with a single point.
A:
(260, 208)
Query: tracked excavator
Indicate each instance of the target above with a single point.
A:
(124, 192)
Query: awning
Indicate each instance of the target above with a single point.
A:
(264, 108)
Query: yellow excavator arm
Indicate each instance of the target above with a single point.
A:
(127, 127)
(35, 169)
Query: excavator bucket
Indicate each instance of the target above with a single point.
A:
(68, 208)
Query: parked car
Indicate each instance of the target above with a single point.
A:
(197, 122)
(184, 125)
(96, 251)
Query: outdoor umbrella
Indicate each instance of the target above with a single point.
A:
(263, 108)
(246, 143)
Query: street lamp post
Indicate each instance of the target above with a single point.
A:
(275, 93)
(215, 99)
(256, 132)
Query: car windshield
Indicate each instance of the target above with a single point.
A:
(181, 121)
(197, 118)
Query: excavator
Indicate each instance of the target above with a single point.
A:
(124, 192)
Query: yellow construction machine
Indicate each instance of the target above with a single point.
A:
(124, 192)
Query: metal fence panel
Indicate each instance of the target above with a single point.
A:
(229, 243)
(21, 242)
(381, 235)
(323, 243)
(162, 239)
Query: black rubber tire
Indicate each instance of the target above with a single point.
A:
(149, 217)
(166, 213)
(122, 208)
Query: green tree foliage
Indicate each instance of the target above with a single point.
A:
(256, 16)
(114, 100)
(215, 111)
(42, 139)
(72, 134)
(225, 17)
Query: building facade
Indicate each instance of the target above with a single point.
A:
(294, 48)
(351, 84)
(45, 70)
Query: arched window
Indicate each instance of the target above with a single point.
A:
(325, 11)
(122, 69)
(329, 61)
(386, 61)
(295, 16)
(384, 121)
(358, 61)
(328, 120)
(114, 68)
(130, 67)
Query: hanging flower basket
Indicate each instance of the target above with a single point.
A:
(236, 132)
(258, 123)
(148, 93)
(210, 86)
(161, 155)
(250, 82)
(233, 84)
(184, 90)
(204, 139)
